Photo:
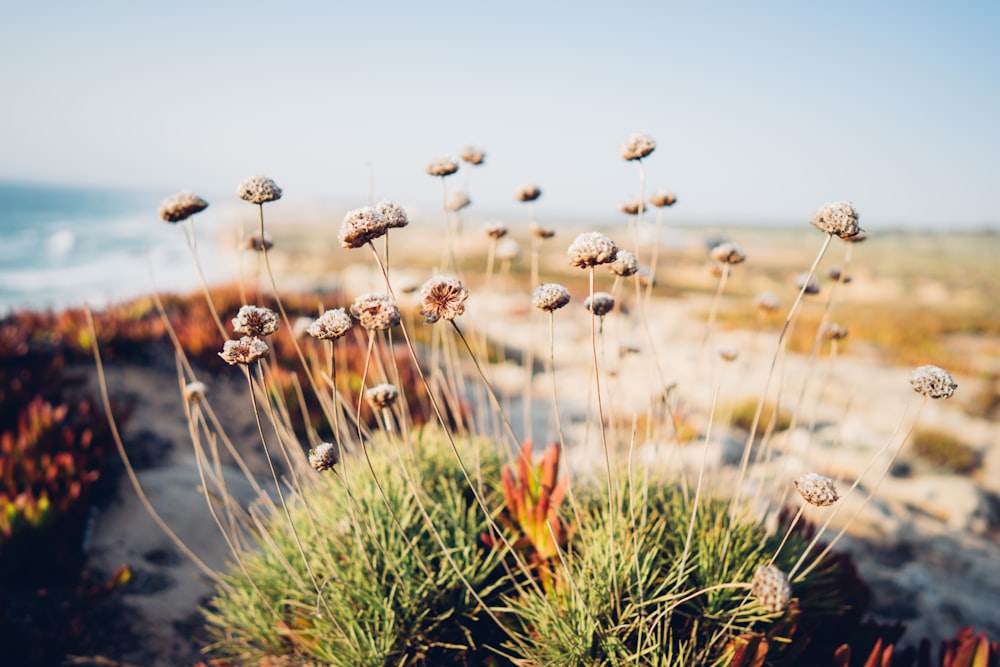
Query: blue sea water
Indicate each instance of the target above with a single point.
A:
(65, 246)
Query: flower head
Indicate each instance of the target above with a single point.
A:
(375, 312)
(728, 253)
(443, 166)
(661, 198)
(195, 391)
(243, 351)
(637, 146)
(181, 206)
(816, 489)
(495, 229)
(259, 189)
(393, 213)
(590, 249)
(933, 382)
(838, 218)
(255, 321)
(807, 283)
(259, 243)
(601, 304)
(473, 155)
(625, 264)
(382, 396)
(324, 457)
(527, 192)
(456, 201)
(631, 207)
(539, 232)
(767, 302)
(442, 298)
(508, 250)
(832, 331)
(550, 297)
(771, 588)
(728, 353)
(834, 273)
(331, 325)
(361, 226)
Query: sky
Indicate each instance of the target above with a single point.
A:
(762, 111)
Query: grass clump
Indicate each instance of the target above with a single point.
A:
(744, 411)
(944, 451)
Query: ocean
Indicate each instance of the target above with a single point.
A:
(66, 246)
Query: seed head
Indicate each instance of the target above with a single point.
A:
(331, 325)
(728, 253)
(255, 321)
(632, 207)
(590, 249)
(771, 588)
(542, 232)
(181, 206)
(473, 155)
(832, 331)
(393, 213)
(834, 273)
(259, 243)
(603, 303)
(807, 281)
(259, 189)
(495, 229)
(728, 353)
(816, 489)
(550, 297)
(243, 351)
(933, 382)
(661, 198)
(508, 250)
(443, 166)
(442, 298)
(375, 312)
(767, 302)
(361, 226)
(527, 192)
(324, 457)
(195, 391)
(382, 396)
(838, 218)
(625, 264)
(456, 201)
(637, 146)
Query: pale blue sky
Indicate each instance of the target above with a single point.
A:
(762, 110)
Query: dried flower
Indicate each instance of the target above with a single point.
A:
(637, 146)
(834, 273)
(331, 325)
(394, 214)
(255, 321)
(508, 250)
(259, 243)
(382, 396)
(456, 201)
(728, 353)
(771, 588)
(838, 218)
(728, 253)
(933, 382)
(767, 302)
(603, 303)
(324, 457)
(243, 351)
(181, 206)
(442, 298)
(195, 391)
(376, 312)
(661, 198)
(632, 207)
(857, 238)
(832, 331)
(625, 264)
(361, 226)
(590, 249)
(645, 278)
(542, 232)
(495, 229)
(550, 297)
(259, 189)
(443, 166)
(816, 489)
(527, 192)
(473, 155)
(807, 283)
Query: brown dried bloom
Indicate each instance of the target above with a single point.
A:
(767, 302)
(542, 232)
(625, 264)
(255, 321)
(495, 229)
(637, 146)
(259, 189)
(838, 218)
(834, 273)
(550, 297)
(195, 391)
(728, 253)
(832, 331)
(728, 353)
(442, 298)
(394, 214)
(590, 249)
(376, 312)
(259, 243)
(381, 396)
(603, 303)
(473, 155)
(771, 588)
(324, 457)
(807, 281)
(331, 325)
(181, 206)
(857, 238)
(508, 250)
(527, 192)
(361, 226)
(243, 351)
(661, 198)
(456, 201)
(632, 207)
(816, 489)
(443, 166)
(933, 382)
